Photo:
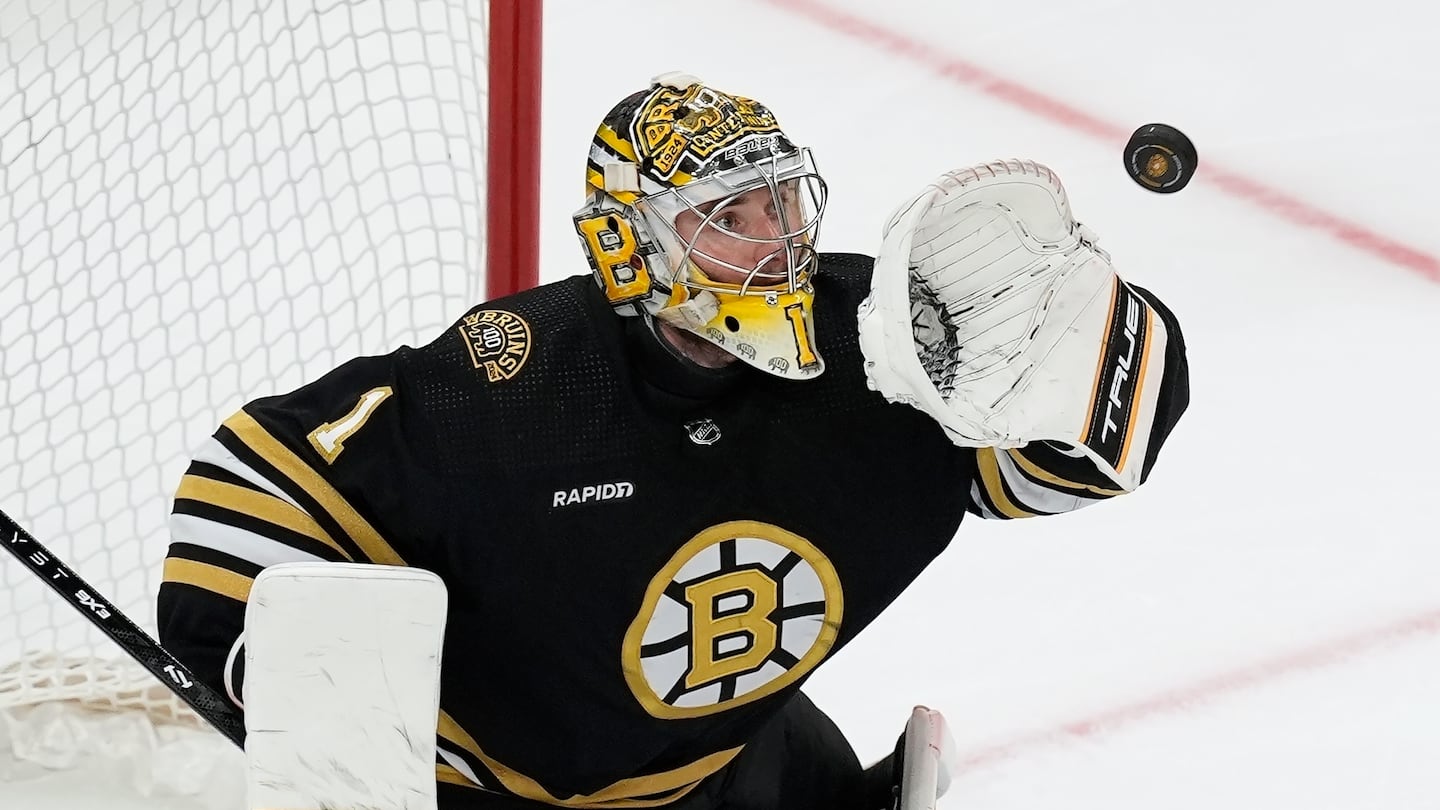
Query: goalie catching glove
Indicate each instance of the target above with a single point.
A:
(992, 310)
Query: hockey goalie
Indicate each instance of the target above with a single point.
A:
(637, 508)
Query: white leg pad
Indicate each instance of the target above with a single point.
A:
(931, 760)
(342, 687)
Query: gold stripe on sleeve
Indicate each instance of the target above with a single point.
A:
(1048, 477)
(212, 578)
(257, 504)
(376, 549)
(993, 483)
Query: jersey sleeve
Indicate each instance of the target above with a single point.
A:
(309, 476)
(1046, 478)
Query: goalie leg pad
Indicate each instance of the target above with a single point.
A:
(342, 686)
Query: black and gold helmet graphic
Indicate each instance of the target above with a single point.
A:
(682, 149)
(675, 134)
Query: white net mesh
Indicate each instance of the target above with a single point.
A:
(202, 202)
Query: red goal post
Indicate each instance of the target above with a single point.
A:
(512, 213)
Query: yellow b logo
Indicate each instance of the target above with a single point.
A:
(740, 612)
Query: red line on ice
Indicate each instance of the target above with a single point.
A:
(1319, 656)
(1235, 184)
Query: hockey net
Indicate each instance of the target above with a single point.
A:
(203, 202)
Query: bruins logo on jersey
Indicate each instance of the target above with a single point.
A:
(740, 612)
(499, 342)
(698, 121)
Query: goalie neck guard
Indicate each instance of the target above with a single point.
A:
(702, 214)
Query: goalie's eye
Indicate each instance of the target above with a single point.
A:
(726, 221)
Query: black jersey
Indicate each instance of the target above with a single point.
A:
(638, 577)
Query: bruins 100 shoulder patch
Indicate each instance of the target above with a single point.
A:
(498, 342)
(1119, 378)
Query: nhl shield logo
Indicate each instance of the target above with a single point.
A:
(703, 431)
(498, 341)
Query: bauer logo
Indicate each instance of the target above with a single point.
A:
(741, 611)
(498, 341)
(616, 491)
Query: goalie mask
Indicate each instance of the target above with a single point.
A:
(700, 213)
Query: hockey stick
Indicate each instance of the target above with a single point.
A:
(134, 641)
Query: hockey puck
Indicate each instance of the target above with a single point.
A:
(1160, 158)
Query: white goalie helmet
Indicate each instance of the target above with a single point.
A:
(701, 213)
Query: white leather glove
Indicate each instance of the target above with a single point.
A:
(992, 310)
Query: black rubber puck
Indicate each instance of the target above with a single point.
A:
(1160, 158)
